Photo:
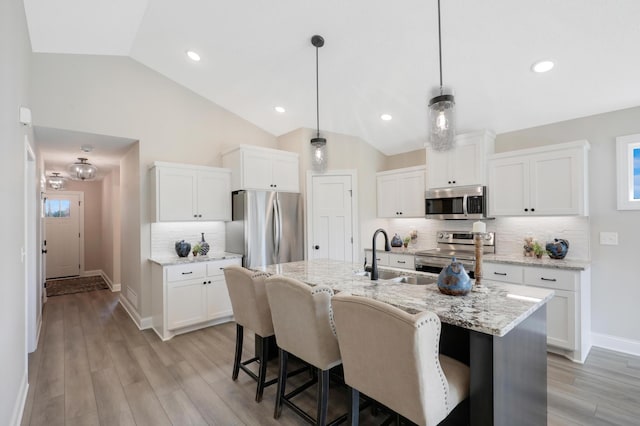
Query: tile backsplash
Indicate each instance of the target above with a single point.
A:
(510, 232)
(165, 234)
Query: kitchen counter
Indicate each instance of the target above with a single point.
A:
(494, 312)
(544, 262)
(175, 260)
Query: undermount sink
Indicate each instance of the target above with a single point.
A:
(399, 277)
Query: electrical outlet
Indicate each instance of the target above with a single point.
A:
(609, 238)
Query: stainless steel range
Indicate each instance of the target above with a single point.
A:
(458, 244)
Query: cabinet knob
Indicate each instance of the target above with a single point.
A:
(454, 181)
(449, 182)
(317, 247)
(195, 215)
(208, 282)
(533, 210)
(204, 282)
(526, 210)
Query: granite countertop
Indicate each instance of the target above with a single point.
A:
(175, 260)
(544, 262)
(497, 311)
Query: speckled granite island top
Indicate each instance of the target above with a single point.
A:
(175, 260)
(494, 312)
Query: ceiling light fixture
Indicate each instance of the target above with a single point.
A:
(319, 157)
(81, 170)
(386, 117)
(56, 181)
(193, 55)
(542, 66)
(442, 129)
(280, 109)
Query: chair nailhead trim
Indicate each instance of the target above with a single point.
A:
(443, 379)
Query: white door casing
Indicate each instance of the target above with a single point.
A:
(64, 236)
(331, 209)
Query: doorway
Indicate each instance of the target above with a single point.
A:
(64, 221)
(331, 210)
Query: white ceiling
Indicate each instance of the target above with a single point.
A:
(379, 57)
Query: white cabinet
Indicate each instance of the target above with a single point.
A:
(543, 181)
(401, 192)
(463, 165)
(188, 193)
(396, 260)
(568, 312)
(189, 296)
(262, 169)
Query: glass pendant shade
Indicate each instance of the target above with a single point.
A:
(56, 181)
(81, 170)
(319, 154)
(442, 122)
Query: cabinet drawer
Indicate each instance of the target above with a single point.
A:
(557, 279)
(503, 272)
(188, 271)
(402, 261)
(382, 258)
(217, 267)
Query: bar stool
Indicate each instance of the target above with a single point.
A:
(302, 321)
(393, 357)
(251, 310)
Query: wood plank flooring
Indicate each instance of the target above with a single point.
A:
(94, 367)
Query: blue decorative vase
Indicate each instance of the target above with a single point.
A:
(454, 280)
(183, 248)
(204, 246)
(558, 248)
(396, 241)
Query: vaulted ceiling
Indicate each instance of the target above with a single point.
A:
(379, 57)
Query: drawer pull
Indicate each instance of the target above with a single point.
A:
(401, 261)
(548, 279)
(378, 259)
(187, 273)
(222, 269)
(500, 273)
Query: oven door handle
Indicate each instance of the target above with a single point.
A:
(465, 199)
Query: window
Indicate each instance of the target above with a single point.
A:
(57, 208)
(628, 163)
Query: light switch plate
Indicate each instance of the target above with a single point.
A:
(609, 238)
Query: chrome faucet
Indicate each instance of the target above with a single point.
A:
(387, 247)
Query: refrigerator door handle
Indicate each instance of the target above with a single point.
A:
(277, 229)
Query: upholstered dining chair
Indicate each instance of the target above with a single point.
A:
(393, 357)
(251, 310)
(303, 326)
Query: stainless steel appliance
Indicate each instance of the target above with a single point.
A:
(266, 227)
(460, 202)
(458, 244)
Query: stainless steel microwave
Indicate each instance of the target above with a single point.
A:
(460, 202)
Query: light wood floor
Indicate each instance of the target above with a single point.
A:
(93, 366)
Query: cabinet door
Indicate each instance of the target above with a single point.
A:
(465, 164)
(438, 169)
(404, 261)
(508, 187)
(285, 173)
(411, 194)
(186, 303)
(256, 170)
(561, 320)
(218, 301)
(556, 183)
(176, 194)
(387, 194)
(214, 196)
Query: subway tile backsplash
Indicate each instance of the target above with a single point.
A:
(165, 234)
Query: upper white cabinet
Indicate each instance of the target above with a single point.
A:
(463, 165)
(182, 192)
(542, 181)
(262, 168)
(401, 192)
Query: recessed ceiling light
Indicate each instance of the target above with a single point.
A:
(386, 117)
(193, 55)
(280, 109)
(542, 66)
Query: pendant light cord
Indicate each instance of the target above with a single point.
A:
(439, 46)
(318, 97)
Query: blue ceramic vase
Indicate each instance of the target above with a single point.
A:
(183, 248)
(454, 280)
(396, 241)
(204, 246)
(558, 248)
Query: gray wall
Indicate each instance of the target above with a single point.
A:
(15, 52)
(614, 277)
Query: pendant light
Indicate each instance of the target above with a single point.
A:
(442, 129)
(56, 181)
(319, 154)
(81, 170)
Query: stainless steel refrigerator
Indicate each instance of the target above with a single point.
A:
(267, 227)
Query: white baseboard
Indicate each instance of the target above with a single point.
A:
(140, 322)
(91, 273)
(614, 343)
(21, 400)
(113, 287)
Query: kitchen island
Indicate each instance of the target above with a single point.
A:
(500, 333)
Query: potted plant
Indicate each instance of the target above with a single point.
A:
(406, 241)
(196, 249)
(538, 250)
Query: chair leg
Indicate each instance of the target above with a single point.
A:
(354, 407)
(236, 360)
(264, 354)
(323, 397)
(282, 382)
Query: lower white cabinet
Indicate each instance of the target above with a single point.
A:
(387, 258)
(568, 313)
(190, 296)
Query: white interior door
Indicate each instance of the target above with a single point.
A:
(62, 217)
(331, 234)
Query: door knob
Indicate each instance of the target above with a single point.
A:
(317, 247)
